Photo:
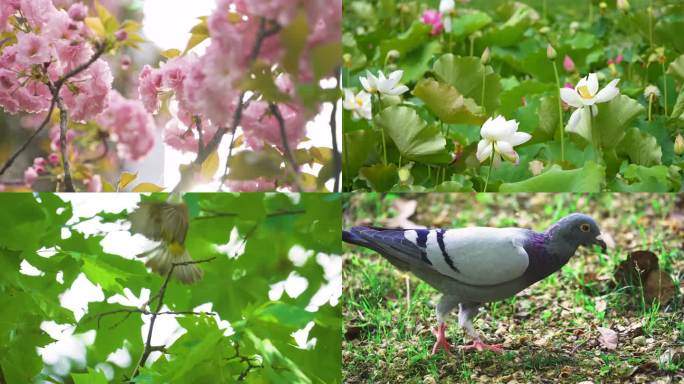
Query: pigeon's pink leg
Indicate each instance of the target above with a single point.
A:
(441, 339)
(480, 346)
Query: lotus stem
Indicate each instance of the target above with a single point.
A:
(489, 172)
(650, 107)
(664, 87)
(560, 111)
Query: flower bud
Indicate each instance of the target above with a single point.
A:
(550, 52)
(347, 60)
(568, 64)
(121, 35)
(78, 12)
(484, 59)
(679, 145)
(393, 55)
(623, 5)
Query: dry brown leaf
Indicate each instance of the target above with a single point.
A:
(633, 271)
(608, 338)
(659, 287)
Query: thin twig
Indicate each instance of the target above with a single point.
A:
(337, 158)
(220, 215)
(244, 359)
(160, 302)
(103, 140)
(212, 145)
(63, 121)
(200, 140)
(55, 88)
(23, 147)
(286, 146)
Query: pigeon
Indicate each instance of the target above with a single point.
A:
(476, 265)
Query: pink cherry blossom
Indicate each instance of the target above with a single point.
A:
(37, 12)
(94, 184)
(31, 49)
(88, 95)
(131, 126)
(149, 83)
(54, 159)
(30, 176)
(568, 64)
(256, 185)
(434, 18)
(78, 12)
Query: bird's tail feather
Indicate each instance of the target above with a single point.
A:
(162, 259)
(387, 242)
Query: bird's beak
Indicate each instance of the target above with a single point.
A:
(599, 241)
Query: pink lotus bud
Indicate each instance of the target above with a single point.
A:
(568, 64)
(434, 18)
(568, 85)
(610, 62)
(619, 58)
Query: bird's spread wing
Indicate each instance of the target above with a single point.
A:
(475, 256)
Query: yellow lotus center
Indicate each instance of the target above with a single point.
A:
(584, 92)
(176, 249)
(359, 102)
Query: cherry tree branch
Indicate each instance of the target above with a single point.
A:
(188, 174)
(290, 160)
(63, 121)
(337, 158)
(149, 348)
(54, 89)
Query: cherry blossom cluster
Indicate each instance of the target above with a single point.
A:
(208, 87)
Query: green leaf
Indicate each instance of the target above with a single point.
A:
(171, 53)
(412, 136)
(294, 37)
(92, 377)
(199, 33)
(124, 179)
(678, 109)
(586, 179)
(643, 179)
(447, 103)
(466, 75)
(325, 58)
(248, 165)
(640, 147)
(676, 68)
(380, 177)
(512, 99)
(612, 121)
(210, 166)
(470, 22)
(415, 37)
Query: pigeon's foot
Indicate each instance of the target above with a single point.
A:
(441, 340)
(480, 346)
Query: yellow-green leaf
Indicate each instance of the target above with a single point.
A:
(147, 187)
(294, 38)
(171, 53)
(326, 58)
(126, 178)
(95, 25)
(210, 166)
(107, 187)
(195, 40)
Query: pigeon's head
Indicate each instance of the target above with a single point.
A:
(580, 229)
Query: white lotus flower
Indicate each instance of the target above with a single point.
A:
(587, 94)
(385, 85)
(446, 7)
(359, 104)
(499, 136)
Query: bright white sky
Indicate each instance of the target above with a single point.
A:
(69, 350)
(167, 24)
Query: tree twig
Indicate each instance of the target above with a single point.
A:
(54, 88)
(63, 121)
(23, 147)
(157, 311)
(246, 360)
(200, 140)
(188, 174)
(103, 140)
(290, 160)
(337, 158)
(220, 215)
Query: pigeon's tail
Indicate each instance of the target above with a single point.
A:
(389, 243)
(352, 236)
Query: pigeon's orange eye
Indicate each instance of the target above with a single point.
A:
(584, 227)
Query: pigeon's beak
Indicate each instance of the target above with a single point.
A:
(599, 241)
